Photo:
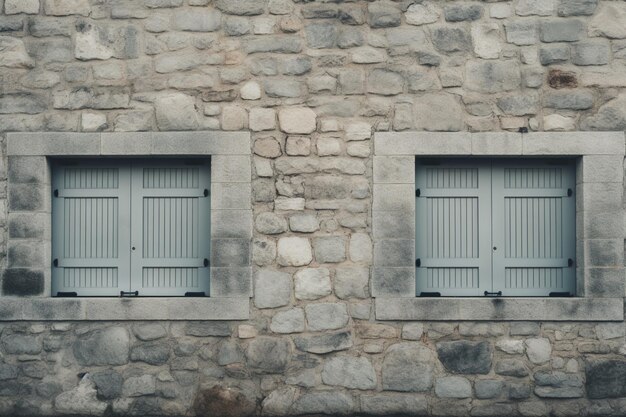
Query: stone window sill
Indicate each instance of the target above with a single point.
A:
(148, 308)
(500, 309)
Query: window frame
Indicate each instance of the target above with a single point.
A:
(599, 219)
(29, 188)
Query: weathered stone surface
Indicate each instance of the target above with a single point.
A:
(329, 249)
(439, 112)
(223, 400)
(385, 82)
(486, 40)
(463, 12)
(538, 350)
(558, 384)
(453, 387)
(109, 383)
(326, 316)
(492, 76)
(242, 7)
(150, 331)
(519, 104)
(510, 346)
(554, 54)
(511, 367)
(176, 111)
(268, 354)
(609, 21)
(451, 39)
(197, 20)
(521, 32)
(324, 343)
(108, 346)
(290, 321)
(305, 223)
(13, 53)
(279, 402)
(324, 402)
(80, 400)
(386, 404)
(21, 6)
(312, 283)
(535, 7)
(297, 120)
(610, 116)
(383, 14)
(19, 344)
(66, 7)
(408, 367)
(422, 14)
(22, 103)
(576, 7)
(271, 289)
(605, 378)
(156, 353)
(208, 328)
(463, 357)
(352, 283)
(488, 388)
(591, 53)
(270, 224)
(137, 386)
(569, 100)
(349, 372)
(294, 251)
(568, 30)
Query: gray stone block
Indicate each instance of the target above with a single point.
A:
(230, 252)
(554, 54)
(387, 403)
(22, 282)
(600, 168)
(242, 7)
(517, 104)
(268, 355)
(231, 224)
(428, 143)
(453, 387)
(561, 30)
(605, 378)
(205, 143)
(591, 53)
(231, 196)
(384, 14)
(27, 197)
(604, 252)
(50, 143)
(394, 252)
(321, 35)
(496, 143)
(573, 143)
(393, 197)
(463, 12)
(131, 143)
(231, 282)
(521, 32)
(326, 316)
(350, 372)
(408, 367)
(385, 82)
(576, 7)
(451, 39)
(329, 249)
(603, 282)
(25, 255)
(324, 343)
(279, 44)
(109, 346)
(488, 388)
(492, 76)
(29, 225)
(231, 168)
(393, 224)
(272, 289)
(22, 103)
(599, 197)
(393, 282)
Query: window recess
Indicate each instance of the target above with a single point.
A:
(495, 227)
(131, 227)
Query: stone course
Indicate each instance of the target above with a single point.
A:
(312, 83)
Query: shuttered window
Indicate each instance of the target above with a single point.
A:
(495, 227)
(132, 227)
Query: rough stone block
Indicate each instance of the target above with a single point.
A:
(393, 282)
(326, 316)
(230, 252)
(22, 282)
(28, 169)
(231, 282)
(562, 30)
(591, 53)
(394, 252)
(312, 283)
(329, 249)
(463, 357)
(408, 367)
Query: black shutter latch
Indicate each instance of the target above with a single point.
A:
(493, 294)
(129, 293)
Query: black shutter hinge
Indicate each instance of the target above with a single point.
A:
(56, 193)
(206, 192)
(418, 263)
(418, 192)
(570, 262)
(129, 293)
(570, 192)
(206, 263)
(56, 263)
(492, 294)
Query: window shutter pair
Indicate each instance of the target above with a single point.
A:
(127, 226)
(495, 227)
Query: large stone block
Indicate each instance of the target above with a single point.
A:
(66, 7)
(329, 249)
(385, 82)
(492, 76)
(197, 20)
(242, 7)
(22, 282)
(109, 346)
(453, 387)
(272, 289)
(408, 367)
(326, 316)
(176, 111)
(294, 251)
(349, 372)
(28, 103)
(384, 14)
(609, 21)
(298, 120)
(451, 39)
(290, 321)
(312, 283)
(591, 53)
(576, 7)
(463, 357)
(605, 378)
(324, 402)
(324, 343)
(561, 30)
(268, 355)
(439, 112)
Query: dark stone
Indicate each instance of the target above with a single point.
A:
(223, 402)
(108, 346)
(511, 367)
(22, 103)
(11, 24)
(208, 328)
(145, 406)
(606, 378)
(461, 12)
(48, 389)
(325, 343)
(562, 79)
(20, 256)
(519, 391)
(12, 388)
(321, 35)
(21, 344)
(320, 12)
(428, 59)
(42, 27)
(267, 354)
(463, 357)
(577, 7)
(351, 16)
(152, 353)
(109, 384)
(452, 39)
(36, 370)
(20, 281)
(242, 7)
(8, 372)
(384, 14)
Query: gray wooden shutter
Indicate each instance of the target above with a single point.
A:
(170, 227)
(453, 202)
(534, 222)
(90, 228)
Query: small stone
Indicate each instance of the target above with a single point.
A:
(463, 357)
(451, 39)
(360, 249)
(246, 331)
(272, 288)
(351, 283)
(324, 343)
(297, 120)
(383, 14)
(290, 321)
(305, 223)
(151, 353)
(384, 82)
(422, 14)
(607, 331)
(280, 7)
(486, 39)
(298, 146)
(262, 119)
(463, 12)
(329, 249)
(487, 388)
(610, 116)
(562, 30)
(137, 386)
(270, 224)
(408, 367)
(349, 372)
(453, 387)
(368, 55)
(233, 118)
(176, 111)
(21, 6)
(80, 400)
(268, 354)
(324, 402)
(263, 25)
(511, 367)
(538, 350)
(326, 316)
(267, 147)
(294, 251)
(236, 26)
(556, 122)
(250, 91)
(93, 122)
(510, 346)
(535, 8)
(312, 283)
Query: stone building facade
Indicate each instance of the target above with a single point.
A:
(312, 114)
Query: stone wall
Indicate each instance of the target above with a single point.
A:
(311, 82)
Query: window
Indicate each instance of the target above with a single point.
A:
(502, 227)
(130, 227)
(596, 177)
(33, 160)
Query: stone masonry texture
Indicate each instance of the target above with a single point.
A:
(311, 81)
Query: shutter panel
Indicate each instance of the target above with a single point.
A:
(170, 230)
(90, 228)
(534, 223)
(453, 227)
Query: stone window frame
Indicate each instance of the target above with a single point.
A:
(29, 202)
(599, 225)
